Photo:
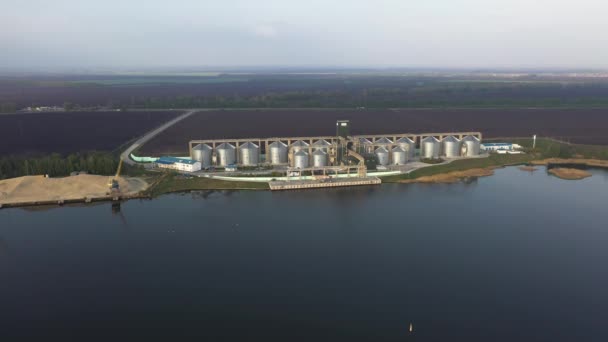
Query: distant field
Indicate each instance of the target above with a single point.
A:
(585, 126)
(43, 133)
(339, 90)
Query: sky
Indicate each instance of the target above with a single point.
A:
(72, 34)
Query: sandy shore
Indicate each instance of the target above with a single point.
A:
(41, 189)
(451, 177)
(580, 161)
(569, 174)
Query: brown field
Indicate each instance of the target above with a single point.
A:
(69, 132)
(585, 126)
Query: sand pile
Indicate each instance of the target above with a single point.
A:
(39, 188)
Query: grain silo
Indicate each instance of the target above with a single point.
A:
(429, 148)
(365, 146)
(202, 153)
(278, 153)
(451, 146)
(470, 146)
(300, 159)
(319, 158)
(399, 155)
(408, 145)
(299, 145)
(386, 142)
(249, 154)
(226, 154)
(382, 155)
(321, 144)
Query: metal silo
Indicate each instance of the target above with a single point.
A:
(408, 145)
(202, 153)
(299, 145)
(319, 158)
(365, 146)
(399, 155)
(321, 144)
(300, 159)
(249, 153)
(383, 142)
(451, 146)
(226, 154)
(429, 148)
(382, 155)
(278, 153)
(470, 146)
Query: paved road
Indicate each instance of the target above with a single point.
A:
(144, 139)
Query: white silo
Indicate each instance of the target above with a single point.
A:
(429, 148)
(451, 146)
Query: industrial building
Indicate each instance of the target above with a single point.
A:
(178, 164)
(496, 146)
(343, 149)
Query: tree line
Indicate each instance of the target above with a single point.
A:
(56, 165)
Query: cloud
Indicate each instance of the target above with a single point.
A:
(265, 31)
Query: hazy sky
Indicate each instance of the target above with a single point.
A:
(376, 33)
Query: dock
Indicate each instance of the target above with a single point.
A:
(315, 184)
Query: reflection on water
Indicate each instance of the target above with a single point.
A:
(510, 257)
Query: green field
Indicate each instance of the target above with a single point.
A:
(170, 183)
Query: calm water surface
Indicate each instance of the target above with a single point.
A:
(513, 257)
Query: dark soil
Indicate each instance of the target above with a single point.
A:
(585, 126)
(68, 132)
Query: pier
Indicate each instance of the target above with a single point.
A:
(323, 183)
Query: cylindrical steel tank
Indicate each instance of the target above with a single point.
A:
(451, 146)
(300, 159)
(470, 146)
(319, 158)
(321, 144)
(429, 148)
(408, 145)
(399, 156)
(299, 145)
(383, 142)
(278, 153)
(382, 155)
(365, 146)
(202, 153)
(226, 154)
(249, 154)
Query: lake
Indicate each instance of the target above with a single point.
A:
(517, 256)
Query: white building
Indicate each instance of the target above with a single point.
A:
(179, 164)
(496, 147)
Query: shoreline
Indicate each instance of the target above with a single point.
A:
(182, 186)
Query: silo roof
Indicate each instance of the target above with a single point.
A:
(202, 147)
(225, 146)
(277, 144)
(300, 143)
(318, 152)
(301, 153)
(364, 141)
(398, 149)
(405, 140)
(451, 138)
(381, 149)
(384, 141)
(249, 144)
(321, 143)
(430, 138)
(470, 137)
